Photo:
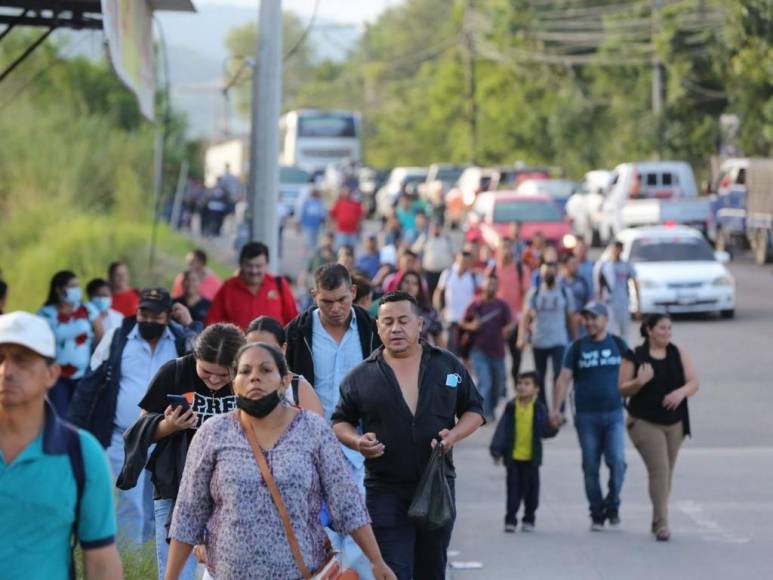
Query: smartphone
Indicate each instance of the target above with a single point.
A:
(179, 401)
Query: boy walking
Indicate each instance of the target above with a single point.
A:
(518, 441)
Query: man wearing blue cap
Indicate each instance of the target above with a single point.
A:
(593, 363)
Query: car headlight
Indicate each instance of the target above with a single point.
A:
(723, 281)
(648, 284)
(569, 241)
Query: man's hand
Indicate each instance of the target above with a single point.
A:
(521, 343)
(369, 446)
(382, 572)
(472, 325)
(447, 440)
(555, 420)
(181, 314)
(177, 420)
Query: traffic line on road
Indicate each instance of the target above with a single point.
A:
(712, 530)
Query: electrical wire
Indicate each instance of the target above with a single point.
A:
(304, 35)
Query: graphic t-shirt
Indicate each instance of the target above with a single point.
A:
(595, 366)
(204, 401)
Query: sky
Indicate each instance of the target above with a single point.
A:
(354, 11)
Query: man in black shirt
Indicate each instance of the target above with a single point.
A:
(407, 396)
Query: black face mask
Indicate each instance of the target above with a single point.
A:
(550, 279)
(150, 330)
(258, 407)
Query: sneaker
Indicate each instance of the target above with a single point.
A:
(613, 517)
(527, 527)
(510, 528)
(597, 525)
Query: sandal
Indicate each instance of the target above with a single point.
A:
(663, 535)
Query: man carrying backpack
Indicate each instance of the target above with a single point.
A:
(55, 486)
(106, 402)
(550, 307)
(593, 362)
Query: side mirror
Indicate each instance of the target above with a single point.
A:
(722, 257)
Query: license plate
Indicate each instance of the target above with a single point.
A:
(686, 298)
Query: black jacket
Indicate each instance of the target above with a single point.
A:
(166, 463)
(299, 334)
(504, 437)
(96, 396)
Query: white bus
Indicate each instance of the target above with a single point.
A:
(313, 139)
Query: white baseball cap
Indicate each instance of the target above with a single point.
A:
(28, 330)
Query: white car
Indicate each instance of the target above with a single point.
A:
(399, 179)
(678, 271)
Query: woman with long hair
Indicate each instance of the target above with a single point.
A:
(658, 377)
(432, 328)
(239, 463)
(184, 394)
(74, 328)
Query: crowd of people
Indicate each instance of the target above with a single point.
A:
(260, 426)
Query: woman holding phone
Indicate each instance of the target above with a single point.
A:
(184, 394)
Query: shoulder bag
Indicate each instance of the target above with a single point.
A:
(331, 566)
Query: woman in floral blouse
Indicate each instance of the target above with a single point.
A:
(223, 496)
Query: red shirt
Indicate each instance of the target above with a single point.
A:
(209, 286)
(346, 214)
(126, 302)
(236, 304)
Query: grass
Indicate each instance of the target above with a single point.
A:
(137, 564)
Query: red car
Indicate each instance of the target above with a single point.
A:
(494, 211)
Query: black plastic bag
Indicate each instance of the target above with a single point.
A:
(433, 505)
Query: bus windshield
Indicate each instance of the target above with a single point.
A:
(326, 125)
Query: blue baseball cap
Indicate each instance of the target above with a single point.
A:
(596, 309)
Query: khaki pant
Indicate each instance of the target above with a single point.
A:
(658, 446)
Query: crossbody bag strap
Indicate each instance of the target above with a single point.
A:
(275, 495)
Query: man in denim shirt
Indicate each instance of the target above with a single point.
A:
(324, 344)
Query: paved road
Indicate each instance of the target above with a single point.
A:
(722, 506)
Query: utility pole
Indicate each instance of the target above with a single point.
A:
(469, 73)
(657, 79)
(264, 136)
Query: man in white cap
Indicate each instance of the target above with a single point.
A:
(54, 479)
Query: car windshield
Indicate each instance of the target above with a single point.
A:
(526, 211)
(327, 125)
(557, 189)
(293, 175)
(449, 174)
(671, 250)
(408, 179)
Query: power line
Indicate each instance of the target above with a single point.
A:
(305, 33)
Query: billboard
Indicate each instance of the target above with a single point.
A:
(129, 32)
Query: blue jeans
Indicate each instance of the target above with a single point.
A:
(351, 554)
(602, 433)
(347, 240)
(311, 238)
(490, 371)
(162, 508)
(134, 507)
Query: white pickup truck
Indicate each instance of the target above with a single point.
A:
(650, 193)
